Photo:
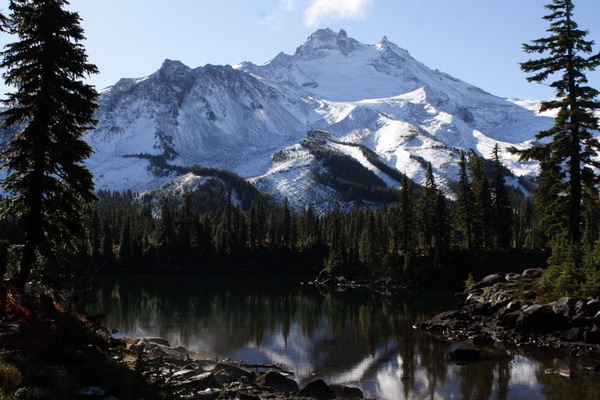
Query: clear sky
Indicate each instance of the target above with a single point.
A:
(478, 41)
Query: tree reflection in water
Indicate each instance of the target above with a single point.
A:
(353, 338)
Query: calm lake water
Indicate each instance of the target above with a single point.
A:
(361, 340)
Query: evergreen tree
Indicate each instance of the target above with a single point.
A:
(501, 207)
(309, 227)
(166, 230)
(441, 228)
(369, 246)
(46, 181)
(337, 258)
(406, 221)
(465, 202)
(482, 225)
(125, 242)
(107, 243)
(427, 210)
(569, 149)
(95, 232)
(257, 223)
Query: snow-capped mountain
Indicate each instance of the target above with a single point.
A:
(255, 119)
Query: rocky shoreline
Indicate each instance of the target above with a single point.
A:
(502, 309)
(187, 376)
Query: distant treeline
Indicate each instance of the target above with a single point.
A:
(211, 229)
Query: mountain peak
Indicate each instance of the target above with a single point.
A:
(170, 66)
(326, 39)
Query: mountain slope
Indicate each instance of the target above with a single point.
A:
(253, 120)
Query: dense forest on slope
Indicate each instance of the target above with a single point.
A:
(211, 229)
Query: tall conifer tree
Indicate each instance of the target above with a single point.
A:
(571, 148)
(482, 231)
(465, 202)
(46, 181)
(501, 207)
(427, 210)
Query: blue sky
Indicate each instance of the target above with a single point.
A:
(478, 41)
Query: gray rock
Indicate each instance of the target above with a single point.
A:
(564, 306)
(158, 351)
(277, 381)
(514, 305)
(566, 372)
(509, 319)
(532, 273)
(346, 392)
(207, 394)
(573, 335)
(155, 340)
(184, 374)
(235, 371)
(318, 390)
(202, 381)
(512, 276)
(183, 351)
(489, 280)
(539, 318)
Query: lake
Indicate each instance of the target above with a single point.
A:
(358, 339)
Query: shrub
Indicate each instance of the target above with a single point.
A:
(10, 377)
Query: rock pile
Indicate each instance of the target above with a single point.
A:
(500, 308)
(204, 379)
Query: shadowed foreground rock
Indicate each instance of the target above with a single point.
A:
(318, 390)
(202, 379)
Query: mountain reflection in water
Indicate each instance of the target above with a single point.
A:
(358, 339)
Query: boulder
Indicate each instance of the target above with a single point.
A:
(161, 352)
(224, 377)
(573, 335)
(346, 392)
(566, 372)
(277, 381)
(514, 305)
(512, 276)
(539, 318)
(509, 319)
(183, 351)
(201, 381)
(154, 340)
(318, 390)
(593, 307)
(564, 306)
(184, 374)
(489, 280)
(207, 394)
(592, 336)
(465, 355)
(234, 371)
(532, 273)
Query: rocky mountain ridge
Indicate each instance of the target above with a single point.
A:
(244, 118)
